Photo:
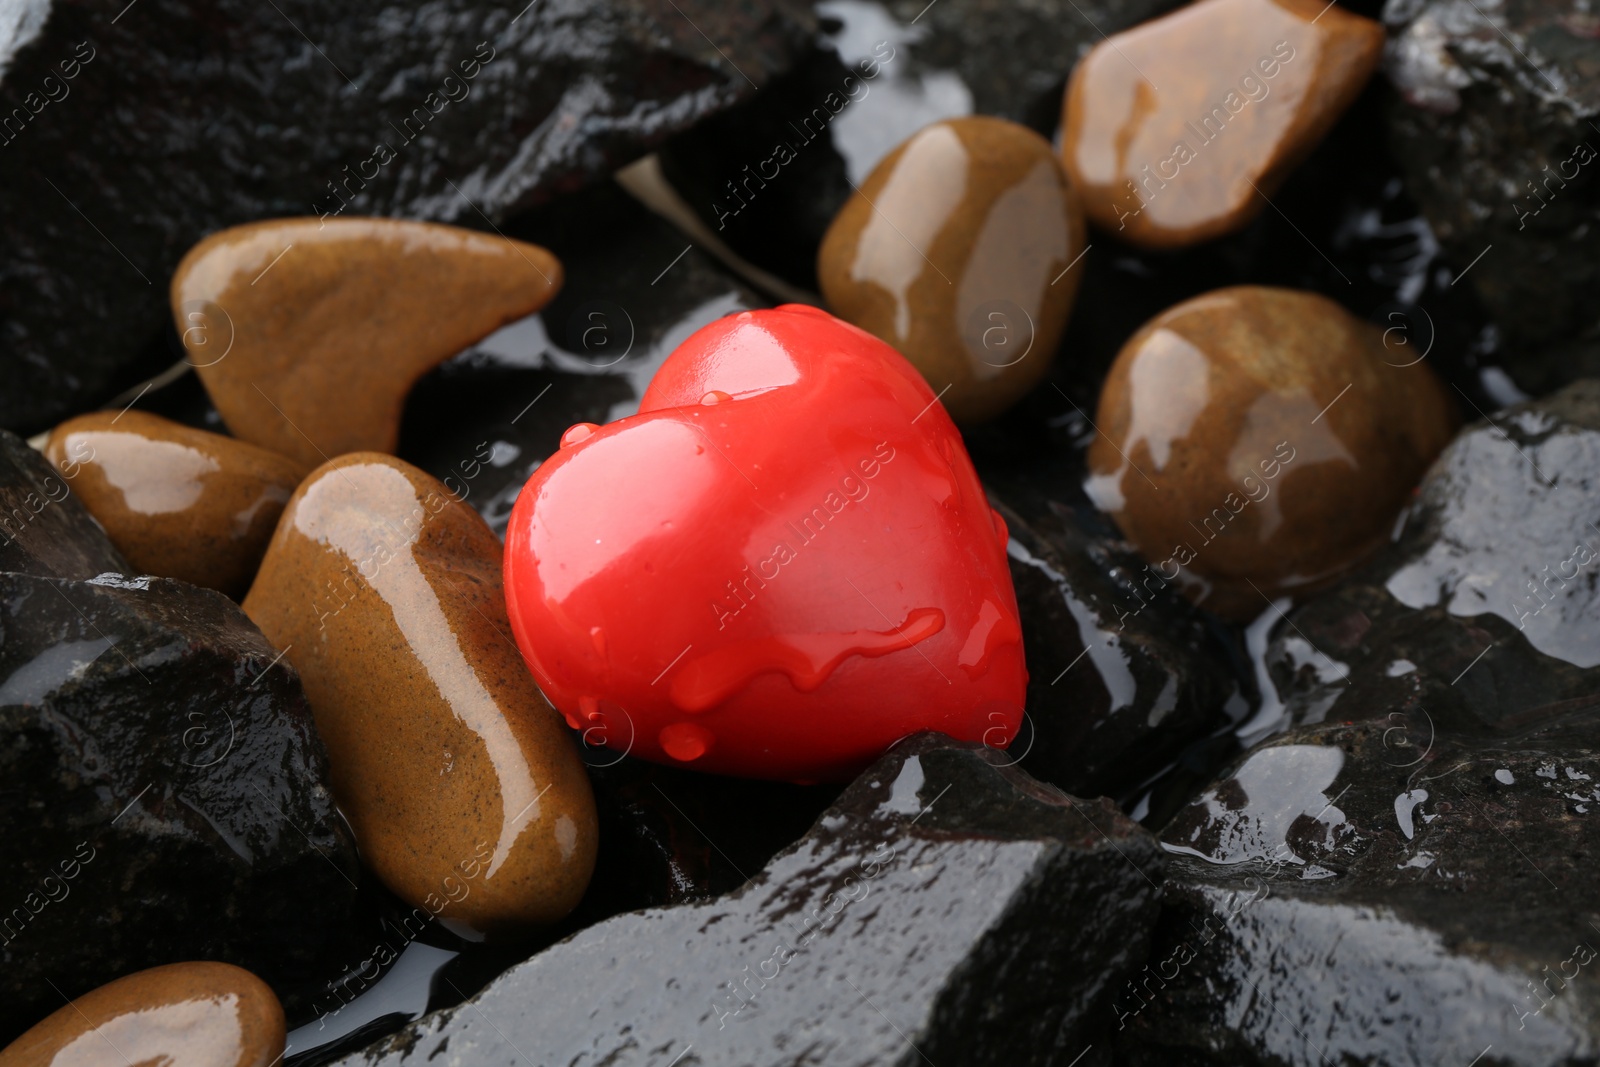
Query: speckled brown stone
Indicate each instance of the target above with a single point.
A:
(308, 335)
(177, 501)
(953, 251)
(1256, 441)
(1177, 130)
(178, 1015)
(464, 789)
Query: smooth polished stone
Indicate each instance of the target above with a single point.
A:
(309, 334)
(465, 792)
(176, 501)
(1177, 131)
(177, 1015)
(1257, 441)
(956, 250)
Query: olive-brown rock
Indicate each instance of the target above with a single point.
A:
(309, 334)
(464, 789)
(1177, 131)
(956, 250)
(1255, 442)
(178, 1015)
(177, 501)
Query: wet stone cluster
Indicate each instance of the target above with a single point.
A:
(1269, 328)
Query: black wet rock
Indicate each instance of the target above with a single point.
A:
(1014, 58)
(44, 529)
(635, 289)
(946, 907)
(1122, 674)
(1484, 616)
(1495, 127)
(878, 75)
(1336, 899)
(670, 836)
(727, 169)
(135, 134)
(162, 794)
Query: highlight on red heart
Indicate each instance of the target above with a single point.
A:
(780, 566)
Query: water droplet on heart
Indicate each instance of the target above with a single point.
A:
(586, 712)
(1000, 530)
(808, 659)
(597, 637)
(685, 741)
(994, 629)
(716, 396)
(578, 433)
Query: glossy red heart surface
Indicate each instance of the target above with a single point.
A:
(780, 566)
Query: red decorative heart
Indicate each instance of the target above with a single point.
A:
(778, 568)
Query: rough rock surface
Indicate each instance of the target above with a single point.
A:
(1482, 617)
(162, 797)
(180, 117)
(670, 836)
(1122, 675)
(1497, 129)
(44, 529)
(945, 908)
(1338, 900)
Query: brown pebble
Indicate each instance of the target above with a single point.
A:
(177, 1015)
(177, 501)
(308, 335)
(953, 251)
(1177, 130)
(464, 789)
(1257, 441)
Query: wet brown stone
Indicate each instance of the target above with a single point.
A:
(464, 789)
(178, 1015)
(176, 501)
(953, 251)
(1177, 130)
(1257, 441)
(308, 335)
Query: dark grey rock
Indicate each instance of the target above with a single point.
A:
(670, 836)
(1334, 900)
(1122, 674)
(1484, 617)
(946, 907)
(185, 116)
(161, 792)
(634, 291)
(1495, 127)
(1015, 57)
(45, 530)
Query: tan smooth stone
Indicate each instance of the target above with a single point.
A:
(1258, 441)
(177, 1015)
(1177, 130)
(176, 501)
(465, 791)
(953, 251)
(308, 335)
